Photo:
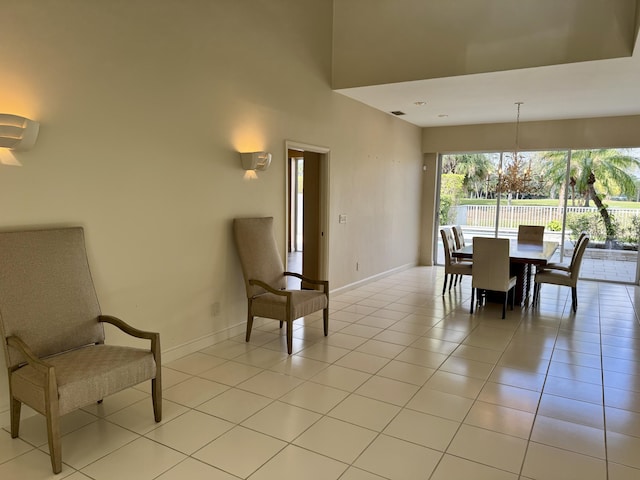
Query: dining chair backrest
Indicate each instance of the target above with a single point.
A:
(491, 264)
(530, 233)
(576, 245)
(576, 260)
(458, 236)
(449, 244)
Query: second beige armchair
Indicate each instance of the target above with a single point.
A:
(265, 280)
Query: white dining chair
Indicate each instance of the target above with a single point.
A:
(530, 233)
(565, 266)
(452, 268)
(567, 278)
(490, 271)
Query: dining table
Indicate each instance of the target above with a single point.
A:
(524, 257)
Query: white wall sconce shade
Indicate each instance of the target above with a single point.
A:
(255, 160)
(17, 133)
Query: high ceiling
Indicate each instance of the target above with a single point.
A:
(580, 89)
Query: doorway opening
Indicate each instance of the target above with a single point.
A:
(296, 205)
(307, 207)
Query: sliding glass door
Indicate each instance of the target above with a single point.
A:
(567, 192)
(468, 195)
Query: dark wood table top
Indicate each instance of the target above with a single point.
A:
(533, 253)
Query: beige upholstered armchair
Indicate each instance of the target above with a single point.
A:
(265, 279)
(53, 336)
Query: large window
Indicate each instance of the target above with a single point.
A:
(568, 192)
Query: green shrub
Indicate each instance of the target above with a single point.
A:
(589, 222)
(554, 225)
(630, 233)
(446, 202)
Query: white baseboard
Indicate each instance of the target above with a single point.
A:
(364, 281)
(193, 346)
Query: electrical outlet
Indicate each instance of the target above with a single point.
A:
(342, 218)
(215, 309)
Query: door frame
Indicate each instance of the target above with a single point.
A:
(323, 220)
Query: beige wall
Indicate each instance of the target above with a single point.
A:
(143, 107)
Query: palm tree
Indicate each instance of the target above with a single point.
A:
(610, 168)
(474, 166)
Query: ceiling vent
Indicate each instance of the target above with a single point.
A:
(398, 113)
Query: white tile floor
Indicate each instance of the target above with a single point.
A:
(407, 385)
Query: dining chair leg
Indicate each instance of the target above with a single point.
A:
(473, 291)
(444, 287)
(574, 299)
(504, 305)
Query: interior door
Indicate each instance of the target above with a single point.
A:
(311, 230)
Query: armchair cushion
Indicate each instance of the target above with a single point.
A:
(84, 375)
(303, 302)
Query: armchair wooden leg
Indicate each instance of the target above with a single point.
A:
(289, 337)
(156, 395)
(574, 299)
(55, 445)
(16, 406)
(249, 326)
(53, 422)
(325, 320)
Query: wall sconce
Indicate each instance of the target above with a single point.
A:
(17, 133)
(255, 160)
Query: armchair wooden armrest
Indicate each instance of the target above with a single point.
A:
(134, 332)
(38, 364)
(324, 283)
(125, 327)
(269, 288)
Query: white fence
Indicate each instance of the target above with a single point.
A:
(514, 215)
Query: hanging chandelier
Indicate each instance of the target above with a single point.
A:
(514, 175)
